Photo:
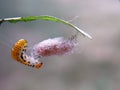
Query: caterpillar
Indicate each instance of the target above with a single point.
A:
(18, 53)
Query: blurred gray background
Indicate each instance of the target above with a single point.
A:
(94, 66)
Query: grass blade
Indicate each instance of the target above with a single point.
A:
(43, 17)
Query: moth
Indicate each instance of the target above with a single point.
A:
(49, 47)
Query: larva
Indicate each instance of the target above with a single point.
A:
(18, 53)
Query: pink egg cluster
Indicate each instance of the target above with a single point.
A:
(55, 46)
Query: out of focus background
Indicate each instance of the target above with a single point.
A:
(95, 65)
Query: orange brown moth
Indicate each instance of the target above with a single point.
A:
(18, 53)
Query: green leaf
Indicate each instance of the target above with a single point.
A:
(43, 17)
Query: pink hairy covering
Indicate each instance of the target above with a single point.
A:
(55, 46)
